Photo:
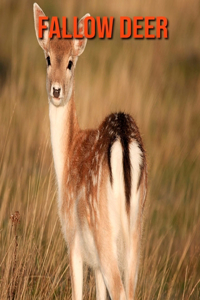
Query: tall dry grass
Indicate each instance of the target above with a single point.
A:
(156, 81)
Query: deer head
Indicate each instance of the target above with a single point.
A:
(61, 58)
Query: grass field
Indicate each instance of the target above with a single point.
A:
(158, 83)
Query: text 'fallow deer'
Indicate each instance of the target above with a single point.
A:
(101, 176)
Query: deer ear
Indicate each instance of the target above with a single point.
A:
(43, 42)
(79, 44)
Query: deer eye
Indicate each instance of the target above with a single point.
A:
(70, 64)
(48, 60)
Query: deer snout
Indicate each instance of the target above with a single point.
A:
(56, 92)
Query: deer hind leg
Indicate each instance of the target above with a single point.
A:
(132, 253)
(132, 259)
(112, 278)
(76, 269)
(108, 265)
(100, 286)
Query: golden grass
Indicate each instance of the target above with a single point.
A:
(158, 82)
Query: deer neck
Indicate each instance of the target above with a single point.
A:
(63, 126)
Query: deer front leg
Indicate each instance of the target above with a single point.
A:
(76, 269)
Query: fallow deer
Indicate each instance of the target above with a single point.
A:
(101, 176)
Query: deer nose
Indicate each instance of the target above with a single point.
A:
(56, 92)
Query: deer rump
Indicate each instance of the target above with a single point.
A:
(107, 171)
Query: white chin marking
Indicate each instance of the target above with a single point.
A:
(55, 102)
